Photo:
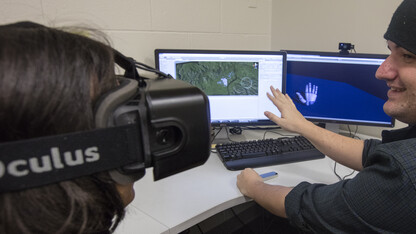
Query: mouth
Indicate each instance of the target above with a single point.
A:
(394, 91)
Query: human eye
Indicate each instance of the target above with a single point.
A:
(408, 57)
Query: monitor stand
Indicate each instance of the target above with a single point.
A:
(332, 127)
(222, 138)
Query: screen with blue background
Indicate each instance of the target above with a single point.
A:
(339, 92)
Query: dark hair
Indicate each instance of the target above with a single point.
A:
(49, 81)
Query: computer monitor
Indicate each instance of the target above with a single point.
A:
(334, 88)
(236, 82)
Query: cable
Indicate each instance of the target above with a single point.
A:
(216, 134)
(349, 129)
(352, 135)
(213, 150)
(278, 133)
(151, 69)
(260, 128)
(335, 172)
(339, 177)
(343, 178)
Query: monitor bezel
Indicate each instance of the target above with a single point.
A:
(265, 122)
(349, 55)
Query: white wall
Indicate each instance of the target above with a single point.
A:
(137, 27)
(319, 25)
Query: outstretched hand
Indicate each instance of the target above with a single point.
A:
(291, 119)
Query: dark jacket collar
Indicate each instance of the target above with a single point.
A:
(399, 134)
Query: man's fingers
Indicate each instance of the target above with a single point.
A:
(275, 92)
(290, 100)
(272, 117)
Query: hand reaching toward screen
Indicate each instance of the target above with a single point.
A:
(311, 93)
(291, 119)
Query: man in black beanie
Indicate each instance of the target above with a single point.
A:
(381, 198)
(401, 40)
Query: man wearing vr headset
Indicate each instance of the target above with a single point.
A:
(50, 81)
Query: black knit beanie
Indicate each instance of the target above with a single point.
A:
(402, 28)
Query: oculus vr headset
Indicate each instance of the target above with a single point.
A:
(161, 123)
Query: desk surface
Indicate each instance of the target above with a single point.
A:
(178, 202)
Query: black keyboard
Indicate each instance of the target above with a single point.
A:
(260, 153)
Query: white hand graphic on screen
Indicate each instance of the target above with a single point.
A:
(311, 93)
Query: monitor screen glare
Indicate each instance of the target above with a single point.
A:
(334, 88)
(236, 82)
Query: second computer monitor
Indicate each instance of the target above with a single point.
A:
(236, 82)
(334, 88)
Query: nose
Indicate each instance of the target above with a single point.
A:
(386, 71)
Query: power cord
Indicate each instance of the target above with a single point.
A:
(350, 132)
(278, 133)
(213, 150)
(216, 134)
(339, 177)
(352, 135)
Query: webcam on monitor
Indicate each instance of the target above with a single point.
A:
(345, 47)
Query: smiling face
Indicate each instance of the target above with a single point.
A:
(399, 73)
